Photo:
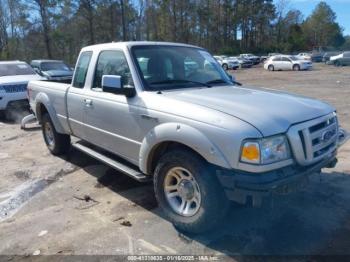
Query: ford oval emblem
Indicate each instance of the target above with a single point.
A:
(327, 135)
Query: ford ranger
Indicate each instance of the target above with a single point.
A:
(202, 139)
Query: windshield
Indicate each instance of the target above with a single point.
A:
(294, 58)
(16, 69)
(48, 66)
(173, 67)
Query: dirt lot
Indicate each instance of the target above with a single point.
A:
(75, 205)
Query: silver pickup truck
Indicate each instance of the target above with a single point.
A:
(169, 113)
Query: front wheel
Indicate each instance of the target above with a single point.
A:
(271, 68)
(296, 68)
(337, 63)
(225, 67)
(188, 191)
(57, 143)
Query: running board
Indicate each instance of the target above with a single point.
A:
(127, 170)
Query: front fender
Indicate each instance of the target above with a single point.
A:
(43, 99)
(183, 134)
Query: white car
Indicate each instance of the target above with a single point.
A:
(14, 78)
(278, 63)
(304, 56)
(227, 63)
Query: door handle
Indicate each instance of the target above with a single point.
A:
(88, 102)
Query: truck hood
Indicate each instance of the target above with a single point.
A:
(19, 79)
(270, 111)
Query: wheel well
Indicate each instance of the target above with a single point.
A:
(41, 110)
(161, 149)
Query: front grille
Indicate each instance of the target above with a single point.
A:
(15, 88)
(313, 140)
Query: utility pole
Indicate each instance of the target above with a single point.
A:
(123, 19)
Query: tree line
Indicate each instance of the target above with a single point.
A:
(60, 28)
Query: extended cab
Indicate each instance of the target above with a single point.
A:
(140, 108)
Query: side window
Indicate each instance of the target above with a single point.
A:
(285, 59)
(347, 54)
(112, 63)
(276, 59)
(81, 69)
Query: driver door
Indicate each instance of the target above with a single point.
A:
(112, 119)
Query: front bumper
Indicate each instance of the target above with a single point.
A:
(244, 187)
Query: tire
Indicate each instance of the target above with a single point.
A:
(2, 114)
(337, 63)
(213, 204)
(225, 67)
(57, 143)
(296, 67)
(271, 68)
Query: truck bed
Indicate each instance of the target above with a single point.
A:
(52, 92)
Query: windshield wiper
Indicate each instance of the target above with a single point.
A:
(219, 81)
(172, 81)
(216, 81)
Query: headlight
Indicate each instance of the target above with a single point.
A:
(266, 150)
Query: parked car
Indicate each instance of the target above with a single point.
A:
(243, 63)
(317, 57)
(200, 138)
(340, 60)
(328, 55)
(14, 77)
(284, 62)
(304, 56)
(227, 63)
(54, 70)
(255, 59)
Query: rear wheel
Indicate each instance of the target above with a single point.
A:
(57, 143)
(188, 191)
(271, 68)
(296, 67)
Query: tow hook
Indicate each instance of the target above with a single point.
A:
(332, 163)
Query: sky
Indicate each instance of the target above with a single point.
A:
(340, 7)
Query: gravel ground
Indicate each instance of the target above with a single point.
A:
(76, 205)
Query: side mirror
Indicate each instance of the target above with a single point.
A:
(113, 84)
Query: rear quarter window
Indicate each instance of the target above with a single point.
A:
(81, 69)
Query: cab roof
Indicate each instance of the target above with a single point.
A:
(131, 44)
